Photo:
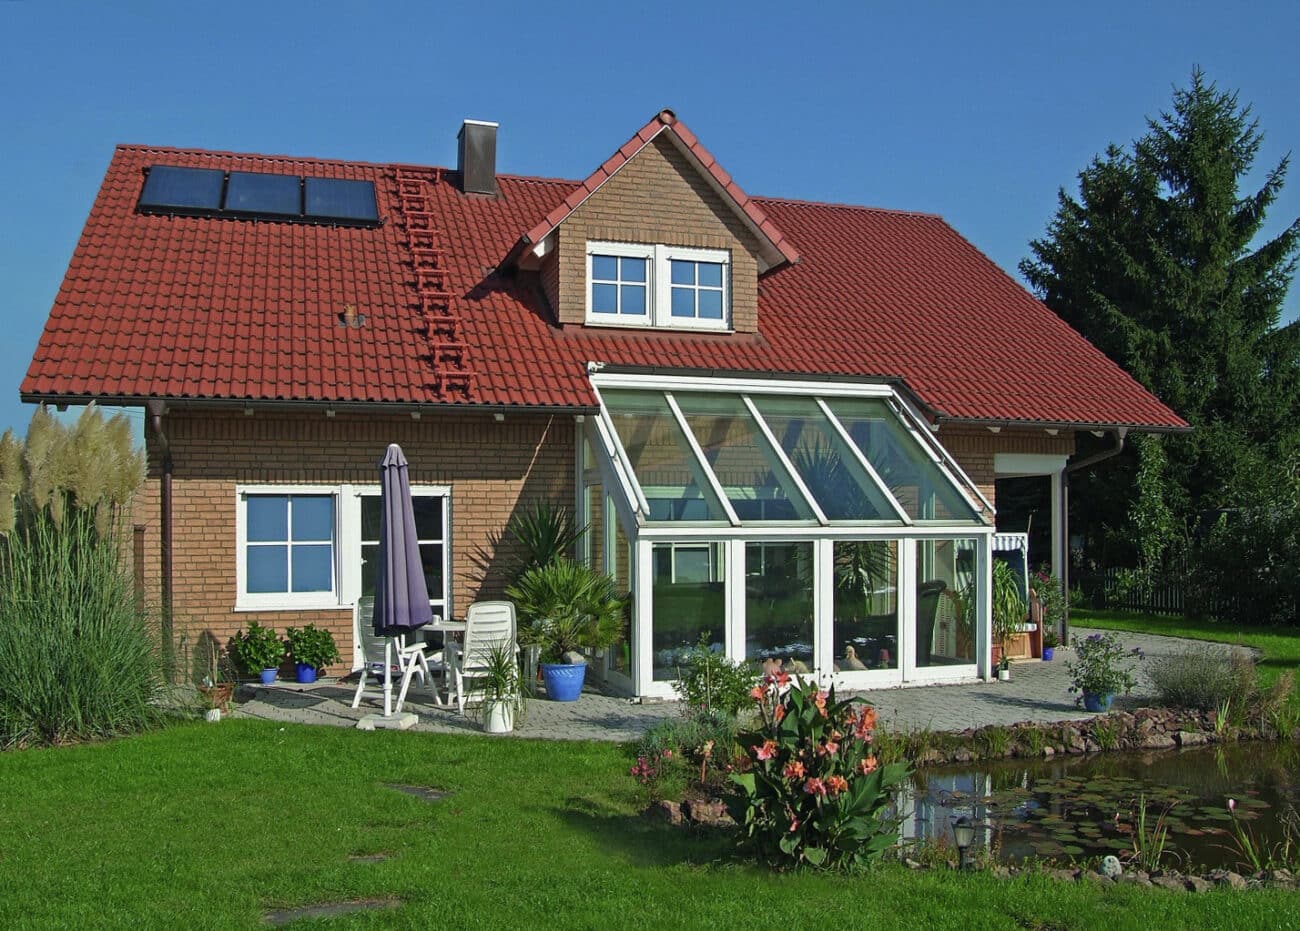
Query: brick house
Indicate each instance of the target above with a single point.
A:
(751, 402)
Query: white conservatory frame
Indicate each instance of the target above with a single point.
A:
(625, 501)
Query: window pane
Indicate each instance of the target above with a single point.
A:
(779, 606)
(827, 466)
(683, 272)
(660, 458)
(371, 507)
(604, 267)
(268, 517)
(369, 569)
(633, 269)
(267, 569)
(431, 560)
(684, 611)
(945, 602)
(710, 305)
(710, 274)
(911, 476)
(313, 568)
(683, 302)
(865, 605)
(313, 517)
(697, 563)
(634, 300)
(746, 466)
(428, 516)
(604, 299)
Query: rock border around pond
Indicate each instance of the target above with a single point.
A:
(1140, 729)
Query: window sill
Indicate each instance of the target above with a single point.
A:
(331, 604)
(649, 328)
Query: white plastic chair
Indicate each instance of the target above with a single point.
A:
(488, 625)
(408, 660)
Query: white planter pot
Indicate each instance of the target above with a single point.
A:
(498, 717)
(212, 715)
(1004, 675)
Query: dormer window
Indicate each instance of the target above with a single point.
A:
(668, 287)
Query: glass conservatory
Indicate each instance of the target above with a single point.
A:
(810, 526)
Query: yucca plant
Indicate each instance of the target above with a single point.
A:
(544, 532)
(567, 607)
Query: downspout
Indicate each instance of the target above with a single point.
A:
(156, 409)
(1070, 468)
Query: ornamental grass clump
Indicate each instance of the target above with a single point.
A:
(79, 657)
(811, 788)
(1102, 666)
(1203, 679)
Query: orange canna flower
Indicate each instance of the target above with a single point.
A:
(868, 765)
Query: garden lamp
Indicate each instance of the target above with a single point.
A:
(963, 832)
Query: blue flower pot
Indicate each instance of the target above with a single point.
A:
(268, 676)
(564, 680)
(1049, 654)
(306, 673)
(1094, 702)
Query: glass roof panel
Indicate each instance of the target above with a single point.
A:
(920, 486)
(829, 469)
(748, 469)
(661, 458)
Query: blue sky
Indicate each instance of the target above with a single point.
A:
(979, 115)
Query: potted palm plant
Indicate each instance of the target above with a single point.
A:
(567, 609)
(1009, 610)
(312, 649)
(259, 651)
(503, 692)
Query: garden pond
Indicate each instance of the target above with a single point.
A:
(1086, 806)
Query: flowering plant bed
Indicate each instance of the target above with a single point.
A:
(811, 789)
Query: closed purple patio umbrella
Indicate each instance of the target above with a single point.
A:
(401, 595)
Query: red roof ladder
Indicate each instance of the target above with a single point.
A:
(433, 299)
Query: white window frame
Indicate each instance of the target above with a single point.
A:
(441, 602)
(282, 601)
(659, 291)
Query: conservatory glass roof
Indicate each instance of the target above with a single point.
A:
(735, 457)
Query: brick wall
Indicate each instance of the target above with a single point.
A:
(491, 468)
(657, 197)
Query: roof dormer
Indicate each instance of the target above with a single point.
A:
(659, 237)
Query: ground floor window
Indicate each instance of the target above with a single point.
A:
(779, 606)
(866, 617)
(689, 606)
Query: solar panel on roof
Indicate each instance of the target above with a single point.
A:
(170, 189)
(332, 199)
(263, 194)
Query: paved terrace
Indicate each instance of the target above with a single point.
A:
(1037, 691)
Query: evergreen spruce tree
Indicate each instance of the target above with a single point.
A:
(1156, 262)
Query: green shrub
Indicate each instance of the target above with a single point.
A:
(1203, 679)
(312, 646)
(78, 659)
(1101, 666)
(813, 790)
(257, 648)
(543, 532)
(711, 682)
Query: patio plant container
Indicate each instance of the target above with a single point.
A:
(1049, 653)
(268, 676)
(1094, 702)
(498, 717)
(305, 672)
(564, 680)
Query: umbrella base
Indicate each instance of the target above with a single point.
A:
(396, 722)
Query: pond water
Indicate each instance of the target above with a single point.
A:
(1085, 806)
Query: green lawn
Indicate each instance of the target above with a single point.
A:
(1280, 646)
(205, 826)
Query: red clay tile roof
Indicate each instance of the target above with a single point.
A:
(217, 309)
(666, 122)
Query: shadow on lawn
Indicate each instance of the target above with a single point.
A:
(641, 841)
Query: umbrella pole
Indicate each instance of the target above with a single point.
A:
(388, 677)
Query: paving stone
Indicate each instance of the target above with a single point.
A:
(1038, 692)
